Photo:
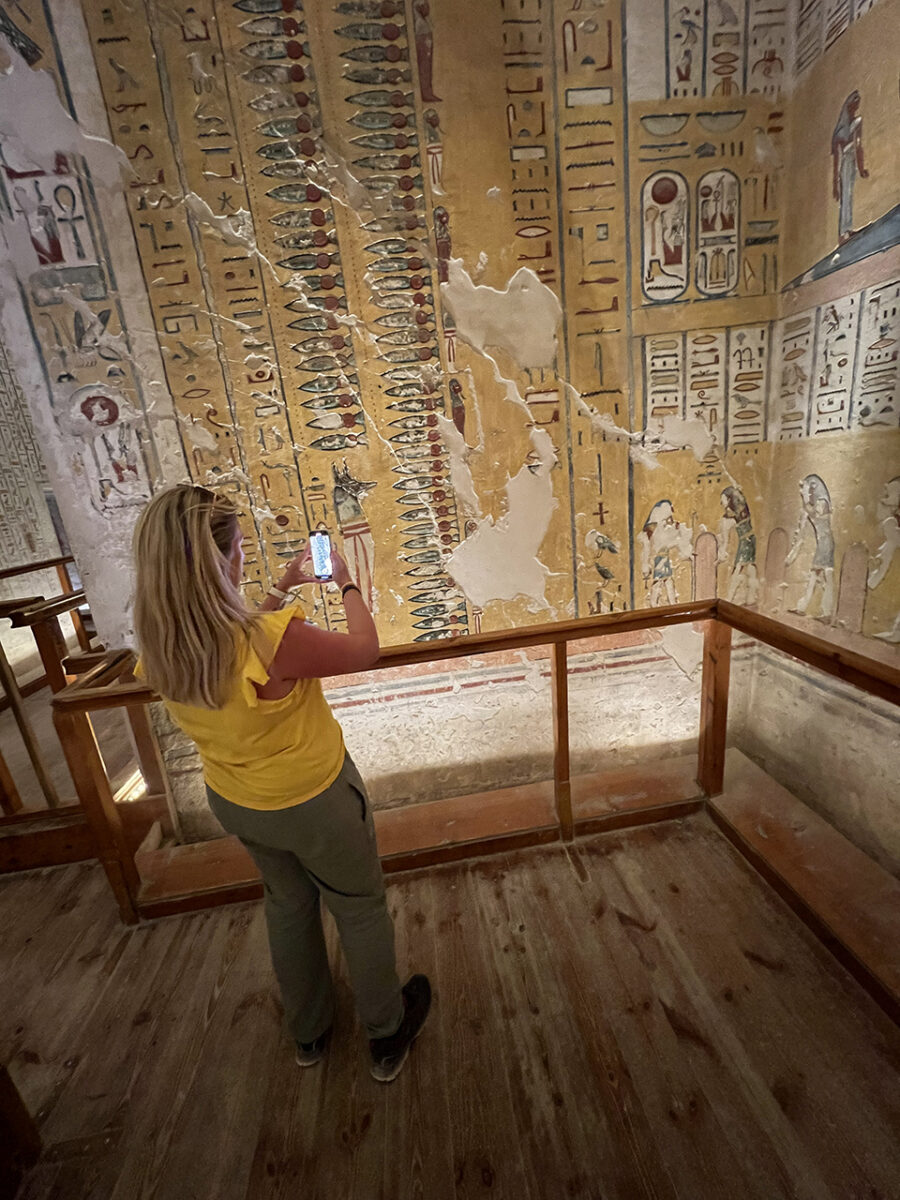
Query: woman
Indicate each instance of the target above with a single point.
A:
(245, 687)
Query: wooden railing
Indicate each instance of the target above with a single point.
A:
(61, 565)
(36, 836)
(61, 562)
(109, 685)
(41, 616)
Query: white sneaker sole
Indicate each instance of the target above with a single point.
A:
(312, 1062)
(396, 1070)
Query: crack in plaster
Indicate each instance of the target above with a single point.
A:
(667, 433)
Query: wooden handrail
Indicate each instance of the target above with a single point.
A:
(544, 635)
(867, 674)
(32, 614)
(103, 687)
(112, 664)
(86, 660)
(7, 607)
(61, 565)
(100, 688)
(29, 568)
(42, 618)
(10, 687)
(87, 693)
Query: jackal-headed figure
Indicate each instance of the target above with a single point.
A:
(359, 545)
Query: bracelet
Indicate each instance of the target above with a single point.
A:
(275, 591)
(349, 587)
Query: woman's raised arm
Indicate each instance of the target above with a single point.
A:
(307, 652)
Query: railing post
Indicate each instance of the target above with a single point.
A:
(65, 582)
(714, 706)
(14, 696)
(92, 785)
(52, 648)
(150, 758)
(10, 800)
(562, 787)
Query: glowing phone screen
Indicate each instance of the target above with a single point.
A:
(321, 554)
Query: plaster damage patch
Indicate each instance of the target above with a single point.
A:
(35, 128)
(683, 433)
(499, 560)
(522, 320)
(460, 475)
(684, 645)
(235, 229)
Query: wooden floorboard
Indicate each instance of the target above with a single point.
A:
(849, 897)
(704, 1048)
(567, 1104)
(687, 1133)
(418, 1154)
(768, 968)
(634, 1015)
(488, 1155)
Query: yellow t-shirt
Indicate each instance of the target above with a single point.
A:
(266, 754)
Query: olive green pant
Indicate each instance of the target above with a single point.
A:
(323, 849)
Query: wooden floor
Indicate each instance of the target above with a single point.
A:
(638, 1016)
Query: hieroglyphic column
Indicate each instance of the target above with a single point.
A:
(589, 122)
(74, 313)
(166, 121)
(359, 346)
(276, 107)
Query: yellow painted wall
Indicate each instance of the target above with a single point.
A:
(300, 178)
(864, 60)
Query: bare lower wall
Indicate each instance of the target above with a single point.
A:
(833, 747)
(478, 726)
(474, 726)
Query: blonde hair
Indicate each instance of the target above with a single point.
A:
(189, 613)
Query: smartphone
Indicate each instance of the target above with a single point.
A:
(320, 545)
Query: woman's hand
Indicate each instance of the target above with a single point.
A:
(340, 572)
(299, 570)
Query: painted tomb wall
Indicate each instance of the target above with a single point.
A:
(835, 476)
(535, 306)
(27, 532)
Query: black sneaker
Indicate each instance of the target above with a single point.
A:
(389, 1053)
(309, 1053)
